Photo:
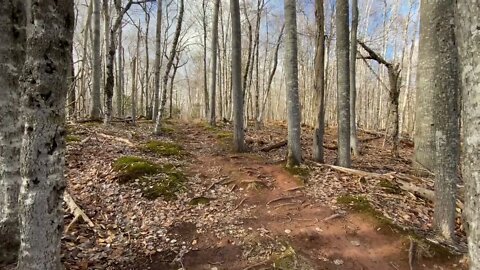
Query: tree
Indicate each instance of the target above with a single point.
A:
(158, 56)
(353, 80)
(44, 83)
(97, 63)
(468, 42)
(171, 59)
(12, 53)
(319, 82)
(291, 76)
(237, 90)
(343, 84)
(213, 83)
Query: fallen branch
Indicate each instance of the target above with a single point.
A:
(76, 211)
(238, 205)
(281, 199)
(334, 216)
(118, 139)
(269, 148)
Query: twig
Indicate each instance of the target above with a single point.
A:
(238, 205)
(334, 216)
(295, 188)
(76, 210)
(394, 266)
(281, 198)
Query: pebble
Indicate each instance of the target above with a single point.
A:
(287, 231)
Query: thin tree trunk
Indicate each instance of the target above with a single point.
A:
(237, 90)
(97, 63)
(173, 51)
(468, 40)
(319, 84)
(205, 78)
(291, 73)
(158, 56)
(213, 90)
(12, 53)
(42, 155)
(148, 111)
(353, 84)
(120, 80)
(134, 91)
(343, 85)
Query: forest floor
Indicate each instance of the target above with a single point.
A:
(185, 200)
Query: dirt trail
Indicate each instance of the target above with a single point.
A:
(282, 213)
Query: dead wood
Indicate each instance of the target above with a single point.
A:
(334, 216)
(281, 199)
(269, 148)
(238, 205)
(118, 139)
(76, 211)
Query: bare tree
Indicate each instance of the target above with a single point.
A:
(97, 63)
(291, 76)
(45, 84)
(171, 59)
(343, 84)
(237, 90)
(353, 80)
(319, 81)
(213, 78)
(12, 53)
(468, 40)
(158, 56)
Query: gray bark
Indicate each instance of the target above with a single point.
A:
(237, 90)
(45, 84)
(343, 84)
(134, 90)
(158, 56)
(353, 84)
(446, 121)
(213, 82)
(97, 63)
(171, 59)
(12, 56)
(120, 81)
(205, 78)
(85, 58)
(291, 76)
(468, 40)
(318, 151)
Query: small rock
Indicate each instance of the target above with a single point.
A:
(287, 231)
(355, 243)
(338, 262)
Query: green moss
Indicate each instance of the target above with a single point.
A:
(130, 168)
(285, 260)
(299, 172)
(72, 138)
(167, 130)
(357, 203)
(163, 148)
(389, 187)
(169, 182)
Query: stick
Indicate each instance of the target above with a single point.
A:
(76, 210)
(281, 198)
(238, 205)
(123, 140)
(332, 217)
(274, 146)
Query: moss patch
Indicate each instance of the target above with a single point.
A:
(130, 168)
(169, 182)
(299, 172)
(72, 138)
(163, 148)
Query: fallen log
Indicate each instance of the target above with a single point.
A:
(118, 139)
(269, 148)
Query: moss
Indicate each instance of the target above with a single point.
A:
(130, 168)
(299, 172)
(72, 138)
(167, 185)
(285, 260)
(357, 203)
(163, 148)
(167, 130)
(389, 187)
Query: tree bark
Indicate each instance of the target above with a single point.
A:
(237, 89)
(213, 84)
(319, 84)
(468, 41)
(205, 78)
(120, 79)
(343, 84)
(134, 90)
(158, 56)
(12, 57)
(291, 75)
(171, 59)
(353, 84)
(45, 84)
(97, 63)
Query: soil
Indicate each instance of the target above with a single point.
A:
(257, 214)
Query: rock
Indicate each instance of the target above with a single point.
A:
(287, 231)
(338, 262)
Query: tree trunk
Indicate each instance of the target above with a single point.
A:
(158, 56)
(353, 84)
(45, 84)
(213, 85)
(120, 79)
(429, 54)
(319, 84)
(468, 41)
(148, 110)
(205, 78)
(173, 51)
(97, 63)
(12, 53)
(260, 4)
(237, 90)
(291, 76)
(446, 120)
(343, 85)
(134, 90)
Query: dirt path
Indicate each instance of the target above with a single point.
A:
(286, 229)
